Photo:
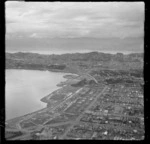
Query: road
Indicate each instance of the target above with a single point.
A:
(92, 78)
(73, 122)
(50, 110)
(87, 108)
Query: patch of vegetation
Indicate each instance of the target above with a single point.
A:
(80, 83)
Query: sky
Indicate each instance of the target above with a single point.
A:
(51, 20)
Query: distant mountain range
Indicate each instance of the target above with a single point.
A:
(92, 56)
(75, 63)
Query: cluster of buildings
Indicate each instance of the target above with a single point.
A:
(92, 111)
(118, 114)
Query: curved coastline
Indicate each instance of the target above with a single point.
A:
(67, 76)
(60, 84)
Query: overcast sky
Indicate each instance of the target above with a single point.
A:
(74, 19)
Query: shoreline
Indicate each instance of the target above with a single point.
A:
(59, 85)
(57, 71)
(44, 99)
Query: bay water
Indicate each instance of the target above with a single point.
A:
(25, 88)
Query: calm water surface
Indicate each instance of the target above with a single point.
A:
(25, 88)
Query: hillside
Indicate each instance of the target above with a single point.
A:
(76, 61)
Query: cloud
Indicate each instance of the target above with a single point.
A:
(34, 35)
(82, 19)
